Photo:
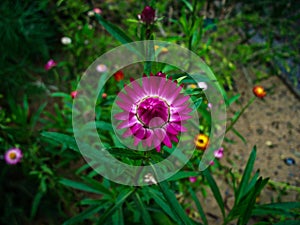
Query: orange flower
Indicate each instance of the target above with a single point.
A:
(201, 141)
(119, 75)
(259, 91)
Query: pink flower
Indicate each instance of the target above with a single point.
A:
(13, 156)
(219, 153)
(104, 95)
(74, 94)
(154, 111)
(50, 64)
(209, 105)
(97, 10)
(193, 179)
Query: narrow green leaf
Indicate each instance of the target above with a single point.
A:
(79, 186)
(84, 215)
(62, 139)
(215, 190)
(61, 94)
(97, 186)
(118, 205)
(171, 199)
(145, 214)
(162, 203)
(246, 175)
(239, 135)
(36, 116)
(188, 5)
(36, 203)
(115, 31)
(117, 217)
(183, 175)
(288, 222)
(233, 99)
(199, 207)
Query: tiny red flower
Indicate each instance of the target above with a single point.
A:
(104, 95)
(119, 75)
(259, 91)
(74, 94)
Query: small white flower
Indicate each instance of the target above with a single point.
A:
(202, 85)
(149, 179)
(91, 13)
(66, 40)
(101, 68)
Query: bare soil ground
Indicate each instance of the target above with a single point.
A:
(273, 125)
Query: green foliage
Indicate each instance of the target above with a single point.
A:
(52, 184)
(27, 35)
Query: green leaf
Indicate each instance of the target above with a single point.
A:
(80, 186)
(36, 116)
(246, 176)
(61, 94)
(115, 31)
(288, 222)
(188, 5)
(84, 215)
(145, 214)
(182, 175)
(199, 207)
(157, 197)
(239, 135)
(62, 139)
(233, 99)
(171, 199)
(118, 218)
(215, 190)
(118, 205)
(35, 203)
(248, 203)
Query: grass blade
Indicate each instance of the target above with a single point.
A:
(215, 190)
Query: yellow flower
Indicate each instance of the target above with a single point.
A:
(201, 141)
(162, 49)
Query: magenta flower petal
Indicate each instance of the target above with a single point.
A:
(154, 111)
(13, 156)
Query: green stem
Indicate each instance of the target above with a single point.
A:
(242, 111)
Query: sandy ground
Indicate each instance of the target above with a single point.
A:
(273, 125)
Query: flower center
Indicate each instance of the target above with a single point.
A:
(153, 112)
(12, 155)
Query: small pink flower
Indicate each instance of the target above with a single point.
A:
(193, 179)
(211, 162)
(219, 153)
(97, 10)
(74, 94)
(13, 156)
(101, 68)
(50, 64)
(209, 105)
(104, 95)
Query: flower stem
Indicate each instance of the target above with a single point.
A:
(242, 111)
